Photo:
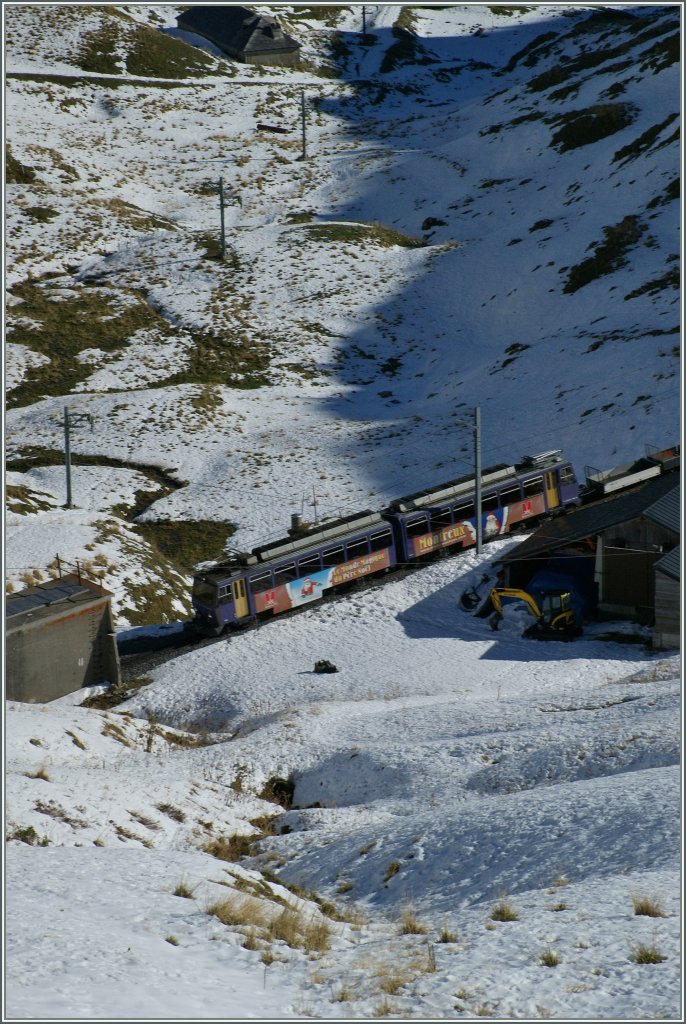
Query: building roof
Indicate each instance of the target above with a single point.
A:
(670, 565)
(237, 29)
(667, 510)
(593, 519)
(50, 599)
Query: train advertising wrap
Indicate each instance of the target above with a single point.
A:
(459, 533)
(527, 509)
(310, 588)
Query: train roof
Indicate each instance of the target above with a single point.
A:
(310, 537)
(464, 485)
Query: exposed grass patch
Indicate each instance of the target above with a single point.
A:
(95, 317)
(609, 255)
(40, 773)
(24, 501)
(116, 694)
(231, 848)
(549, 958)
(235, 362)
(446, 935)
(670, 279)
(187, 543)
(175, 813)
(278, 790)
(644, 141)
(184, 890)
(27, 834)
(17, 173)
(584, 127)
(154, 54)
(360, 234)
(43, 214)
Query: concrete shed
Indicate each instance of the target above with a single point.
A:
(59, 637)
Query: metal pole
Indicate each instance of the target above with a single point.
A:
(302, 116)
(221, 209)
(67, 455)
(364, 20)
(477, 479)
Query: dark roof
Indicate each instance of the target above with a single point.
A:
(237, 29)
(667, 510)
(670, 565)
(49, 599)
(593, 519)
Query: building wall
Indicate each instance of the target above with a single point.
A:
(667, 632)
(55, 656)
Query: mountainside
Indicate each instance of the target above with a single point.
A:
(487, 214)
(483, 210)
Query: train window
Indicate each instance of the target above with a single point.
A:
(489, 502)
(358, 548)
(380, 541)
(309, 565)
(284, 574)
(440, 519)
(334, 556)
(567, 476)
(261, 582)
(509, 495)
(225, 594)
(464, 511)
(417, 527)
(533, 486)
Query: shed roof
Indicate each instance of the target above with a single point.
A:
(50, 599)
(667, 510)
(593, 519)
(238, 29)
(670, 565)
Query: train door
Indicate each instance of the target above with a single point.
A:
(240, 598)
(552, 491)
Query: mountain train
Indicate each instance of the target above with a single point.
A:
(300, 568)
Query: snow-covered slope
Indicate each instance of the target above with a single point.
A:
(487, 215)
(439, 773)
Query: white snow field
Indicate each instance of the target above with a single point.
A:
(457, 823)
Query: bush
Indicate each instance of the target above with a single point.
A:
(502, 911)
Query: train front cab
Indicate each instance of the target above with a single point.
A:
(218, 603)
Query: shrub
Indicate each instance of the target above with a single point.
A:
(409, 925)
(184, 890)
(548, 958)
(643, 954)
(644, 906)
(503, 911)
(392, 869)
(230, 848)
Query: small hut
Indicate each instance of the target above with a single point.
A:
(59, 637)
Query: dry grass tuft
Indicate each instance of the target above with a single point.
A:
(40, 773)
(548, 958)
(503, 911)
(645, 906)
(409, 925)
(644, 954)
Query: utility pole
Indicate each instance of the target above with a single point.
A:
(364, 20)
(222, 244)
(477, 479)
(71, 419)
(302, 117)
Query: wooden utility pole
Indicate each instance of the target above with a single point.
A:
(477, 479)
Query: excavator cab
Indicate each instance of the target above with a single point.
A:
(553, 613)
